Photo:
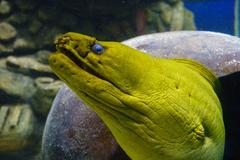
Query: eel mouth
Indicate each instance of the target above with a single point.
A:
(78, 58)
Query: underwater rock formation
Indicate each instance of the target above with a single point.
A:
(12, 88)
(27, 66)
(16, 135)
(44, 95)
(119, 21)
(5, 8)
(21, 94)
(7, 32)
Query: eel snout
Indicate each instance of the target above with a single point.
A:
(68, 46)
(73, 50)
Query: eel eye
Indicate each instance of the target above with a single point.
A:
(97, 48)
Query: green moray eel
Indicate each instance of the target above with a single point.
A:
(157, 109)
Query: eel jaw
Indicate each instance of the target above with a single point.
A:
(76, 56)
(64, 46)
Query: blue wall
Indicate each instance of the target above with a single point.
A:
(213, 15)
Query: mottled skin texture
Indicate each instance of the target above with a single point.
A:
(156, 108)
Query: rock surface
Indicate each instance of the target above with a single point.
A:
(15, 87)
(42, 99)
(18, 18)
(74, 132)
(219, 52)
(21, 44)
(5, 7)
(5, 50)
(42, 56)
(28, 66)
(38, 29)
(16, 127)
(7, 32)
(162, 16)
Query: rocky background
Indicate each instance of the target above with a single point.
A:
(27, 32)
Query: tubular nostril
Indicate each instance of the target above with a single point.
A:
(63, 40)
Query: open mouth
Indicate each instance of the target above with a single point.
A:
(79, 61)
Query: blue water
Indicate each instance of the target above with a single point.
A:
(213, 15)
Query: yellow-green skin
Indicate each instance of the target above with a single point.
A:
(157, 109)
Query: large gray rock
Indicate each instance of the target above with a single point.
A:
(75, 132)
(219, 52)
(70, 116)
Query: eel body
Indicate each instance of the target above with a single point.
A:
(156, 108)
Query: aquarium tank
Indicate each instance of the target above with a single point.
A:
(35, 124)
